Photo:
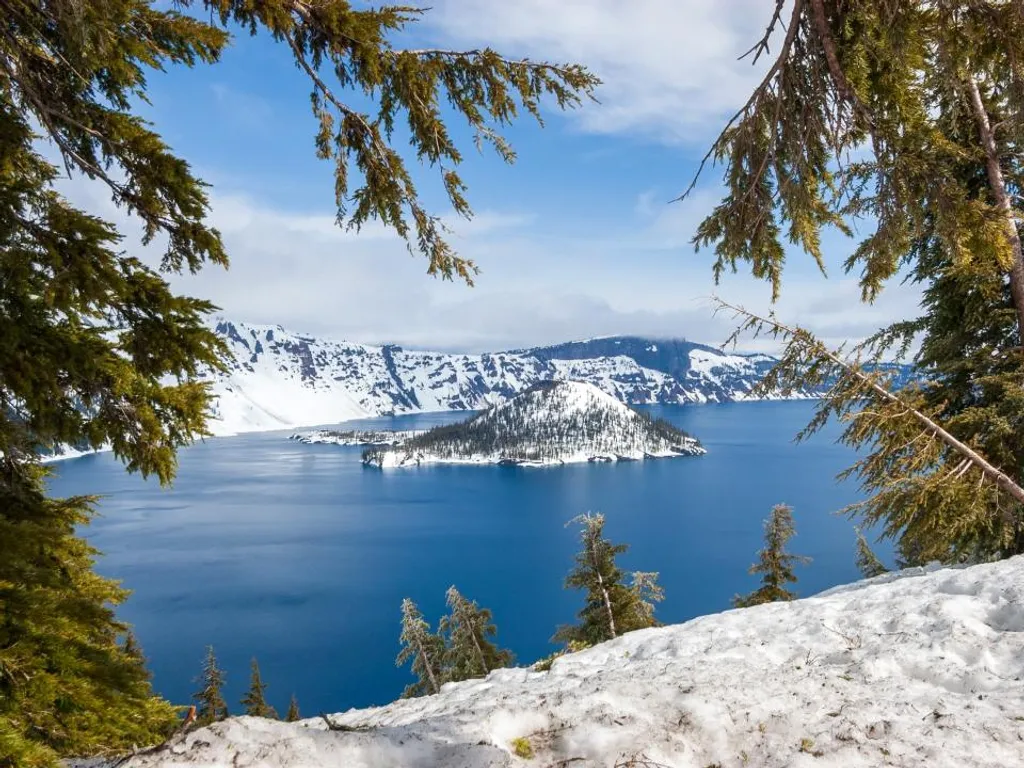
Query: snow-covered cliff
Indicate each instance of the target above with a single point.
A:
(552, 422)
(279, 379)
(913, 669)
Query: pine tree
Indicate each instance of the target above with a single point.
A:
(469, 650)
(867, 562)
(423, 648)
(774, 564)
(293, 710)
(67, 683)
(210, 704)
(97, 346)
(647, 591)
(611, 607)
(925, 96)
(255, 701)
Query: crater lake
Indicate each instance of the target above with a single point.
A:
(300, 556)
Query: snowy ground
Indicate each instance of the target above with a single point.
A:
(924, 669)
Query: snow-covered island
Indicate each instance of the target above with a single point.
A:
(356, 436)
(553, 422)
(918, 668)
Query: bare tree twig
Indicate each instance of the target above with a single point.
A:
(791, 32)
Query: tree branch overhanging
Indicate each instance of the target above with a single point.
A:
(817, 349)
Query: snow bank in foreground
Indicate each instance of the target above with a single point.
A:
(922, 670)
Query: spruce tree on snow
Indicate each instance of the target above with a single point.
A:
(774, 564)
(611, 608)
(423, 648)
(255, 700)
(467, 629)
(293, 710)
(209, 699)
(867, 561)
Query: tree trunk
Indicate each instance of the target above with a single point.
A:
(1002, 199)
(479, 650)
(426, 666)
(604, 591)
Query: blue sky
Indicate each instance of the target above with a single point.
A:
(576, 239)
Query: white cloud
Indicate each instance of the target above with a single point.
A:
(301, 271)
(669, 67)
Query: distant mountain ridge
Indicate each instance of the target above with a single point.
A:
(278, 379)
(671, 356)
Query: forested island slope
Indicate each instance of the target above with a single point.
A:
(556, 422)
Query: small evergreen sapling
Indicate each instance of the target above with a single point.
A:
(293, 710)
(468, 630)
(774, 564)
(209, 699)
(423, 648)
(255, 700)
(867, 561)
(611, 608)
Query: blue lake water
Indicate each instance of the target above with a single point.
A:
(300, 556)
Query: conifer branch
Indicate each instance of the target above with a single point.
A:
(815, 350)
(562, 70)
(718, 145)
(828, 44)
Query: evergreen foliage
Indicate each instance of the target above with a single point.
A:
(468, 631)
(209, 699)
(538, 424)
(98, 349)
(937, 495)
(902, 115)
(255, 700)
(774, 564)
(68, 686)
(423, 648)
(867, 561)
(293, 710)
(612, 608)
